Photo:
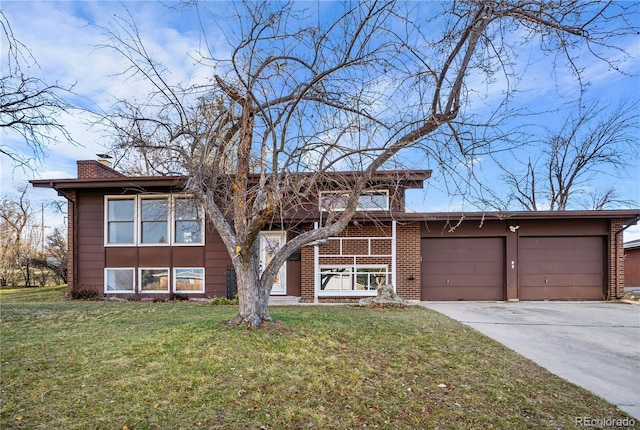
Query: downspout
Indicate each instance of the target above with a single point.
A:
(617, 242)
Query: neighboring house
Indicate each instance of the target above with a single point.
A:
(632, 264)
(143, 236)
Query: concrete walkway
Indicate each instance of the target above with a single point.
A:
(595, 345)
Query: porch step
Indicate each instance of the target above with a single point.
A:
(283, 300)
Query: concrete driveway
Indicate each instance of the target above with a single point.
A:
(595, 345)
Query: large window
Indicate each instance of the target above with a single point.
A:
(158, 220)
(119, 280)
(154, 226)
(121, 221)
(352, 279)
(368, 201)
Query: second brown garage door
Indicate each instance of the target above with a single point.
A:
(561, 268)
(462, 268)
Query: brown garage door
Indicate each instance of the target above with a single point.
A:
(561, 268)
(463, 268)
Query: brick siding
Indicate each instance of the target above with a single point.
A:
(615, 289)
(91, 169)
(407, 258)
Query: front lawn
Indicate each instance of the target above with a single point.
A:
(134, 365)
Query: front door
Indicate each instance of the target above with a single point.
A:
(270, 242)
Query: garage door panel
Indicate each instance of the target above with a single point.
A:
(462, 293)
(463, 268)
(562, 293)
(561, 268)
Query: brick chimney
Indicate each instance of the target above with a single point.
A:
(92, 169)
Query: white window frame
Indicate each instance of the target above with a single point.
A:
(169, 280)
(133, 284)
(106, 220)
(168, 218)
(354, 270)
(384, 193)
(174, 281)
(172, 227)
(137, 220)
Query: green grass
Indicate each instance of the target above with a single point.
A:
(105, 365)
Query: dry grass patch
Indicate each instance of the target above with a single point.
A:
(102, 365)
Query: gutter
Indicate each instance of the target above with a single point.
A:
(619, 295)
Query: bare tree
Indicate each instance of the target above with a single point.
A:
(54, 260)
(302, 96)
(29, 106)
(594, 140)
(19, 238)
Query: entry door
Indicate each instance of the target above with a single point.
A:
(270, 242)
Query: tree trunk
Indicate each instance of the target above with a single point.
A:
(253, 297)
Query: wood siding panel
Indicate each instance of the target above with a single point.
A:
(187, 256)
(156, 256)
(561, 268)
(121, 257)
(90, 255)
(463, 268)
(216, 261)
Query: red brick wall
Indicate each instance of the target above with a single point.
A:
(616, 268)
(307, 274)
(88, 169)
(72, 248)
(632, 268)
(408, 261)
(407, 258)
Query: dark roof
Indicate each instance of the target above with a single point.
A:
(631, 216)
(408, 178)
(116, 182)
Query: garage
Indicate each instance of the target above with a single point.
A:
(463, 268)
(561, 268)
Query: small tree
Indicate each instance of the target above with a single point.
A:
(300, 97)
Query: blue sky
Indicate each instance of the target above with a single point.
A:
(64, 38)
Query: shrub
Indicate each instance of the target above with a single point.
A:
(221, 301)
(84, 293)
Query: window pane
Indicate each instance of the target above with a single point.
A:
(154, 280)
(121, 210)
(120, 232)
(369, 278)
(335, 279)
(188, 209)
(188, 232)
(188, 221)
(119, 280)
(120, 216)
(374, 201)
(154, 232)
(154, 225)
(189, 280)
(154, 209)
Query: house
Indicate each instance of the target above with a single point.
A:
(632, 264)
(143, 236)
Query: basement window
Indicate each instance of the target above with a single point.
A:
(120, 280)
(154, 280)
(188, 280)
